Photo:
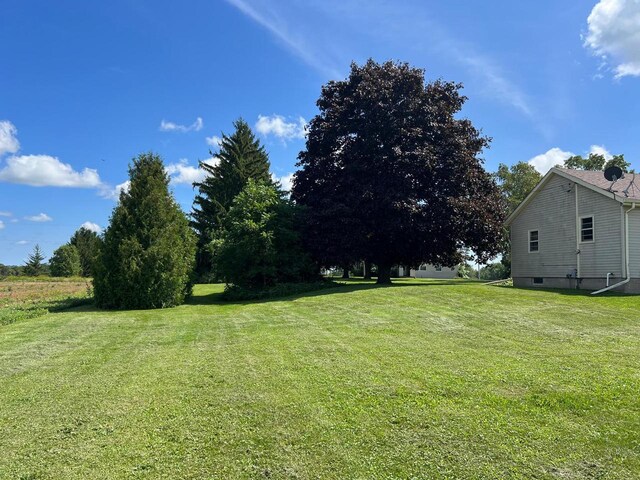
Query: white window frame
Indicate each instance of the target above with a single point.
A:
(529, 241)
(593, 229)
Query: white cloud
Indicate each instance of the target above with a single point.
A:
(1, 224)
(47, 171)
(600, 150)
(94, 227)
(549, 159)
(614, 34)
(22, 242)
(6, 214)
(8, 138)
(114, 193)
(174, 127)
(277, 125)
(183, 173)
(214, 141)
(286, 180)
(41, 217)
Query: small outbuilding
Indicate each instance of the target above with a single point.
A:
(577, 229)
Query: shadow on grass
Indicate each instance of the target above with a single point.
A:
(343, 286)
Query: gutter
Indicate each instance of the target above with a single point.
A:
(626, 255)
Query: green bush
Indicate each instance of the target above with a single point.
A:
(65, 262)
(260, 246)
(147, 256)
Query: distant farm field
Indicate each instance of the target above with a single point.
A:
(423, 379)
(29, 297)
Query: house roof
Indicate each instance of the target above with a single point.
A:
(625, 190)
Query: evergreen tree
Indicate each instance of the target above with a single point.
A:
(241, 158)
(260, 244)
(146, 258)
(65, 262)
(88, 243)
(33, 266)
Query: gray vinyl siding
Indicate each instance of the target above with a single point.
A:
(552, 213)
(605, 253)
(634, 242)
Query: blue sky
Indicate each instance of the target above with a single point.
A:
(86, 86)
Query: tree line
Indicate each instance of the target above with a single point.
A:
(391, 174)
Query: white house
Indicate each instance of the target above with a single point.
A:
(576, 229)
(431, 271)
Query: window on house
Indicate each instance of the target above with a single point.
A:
(422, 267)
(538, 280)
(438, 268)
(586, 229)
(533, 241)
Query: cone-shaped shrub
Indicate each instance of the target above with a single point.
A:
(147, 257)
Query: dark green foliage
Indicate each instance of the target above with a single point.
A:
(65, 262)
(392, 175)
(241, 158)
(516, 182)
(494, 271)
(596, 161)
(146, 259)
(260, 246)
(237, 293)
(34, 266)
(88, 244)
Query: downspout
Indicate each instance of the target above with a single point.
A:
(626, 255)
(575, 186)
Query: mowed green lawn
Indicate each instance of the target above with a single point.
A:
(424, 379)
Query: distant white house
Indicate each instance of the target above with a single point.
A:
(431, 271)
(576, 229)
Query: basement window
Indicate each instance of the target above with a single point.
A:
(533, 241)
(538, 280)
(586, 229)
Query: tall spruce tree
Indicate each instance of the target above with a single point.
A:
(146, 258)
(34, 264)
(241, 158)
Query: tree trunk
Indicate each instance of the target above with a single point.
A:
(367, 270)
(384, 274)
(345, 271)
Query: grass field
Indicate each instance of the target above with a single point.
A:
(424, 379)
(29, 297)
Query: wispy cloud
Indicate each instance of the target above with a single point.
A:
(296, 42)
(6, 214)
(175, 127)
(41, 217)
(398, 27)
(8, 137)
